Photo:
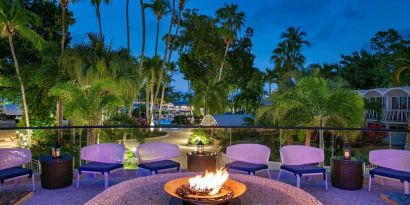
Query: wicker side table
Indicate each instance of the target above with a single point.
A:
(347, 174)
(201, 162)
(56, 173)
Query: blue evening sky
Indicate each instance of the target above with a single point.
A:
(334, 27)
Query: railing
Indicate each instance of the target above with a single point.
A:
(388, 115)
(74, 138)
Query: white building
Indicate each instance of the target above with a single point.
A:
(395, 106)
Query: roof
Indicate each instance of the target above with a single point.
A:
(383, 91)
(11, 110)
(226, 120)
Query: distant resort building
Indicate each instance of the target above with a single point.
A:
(394, 104)
(395, 109)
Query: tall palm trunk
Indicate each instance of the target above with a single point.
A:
(166, 51)
(97, 7)
(223, 62)
(60, 106)
(130, 106)
(63, 11)
(128, 24)
(143, 35)
(156, 39)
(308, 137)
(152, 108)
(147, 100)
(321, 139)
(23, 93)
(160, 103)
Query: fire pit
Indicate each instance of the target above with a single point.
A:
(210, 188)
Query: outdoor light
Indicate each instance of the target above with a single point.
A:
(200, 147)
(56, 151)
(347, 151)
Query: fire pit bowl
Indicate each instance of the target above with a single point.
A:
(229, 191)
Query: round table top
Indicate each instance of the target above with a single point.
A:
(150, 191)
(50, 159)
(353, 160)
(203, 154)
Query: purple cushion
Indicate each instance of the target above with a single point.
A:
(99, 167)
(159, 165)
(391, 173)
(14, 172)
(304, 169)
(246, 166)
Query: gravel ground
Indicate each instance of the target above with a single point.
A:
(90, 187)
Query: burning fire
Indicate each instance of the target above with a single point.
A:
(210, 182)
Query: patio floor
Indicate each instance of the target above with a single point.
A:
(90, 187)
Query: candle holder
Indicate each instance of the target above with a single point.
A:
(200, 147)
(56, 151)
(347, 151)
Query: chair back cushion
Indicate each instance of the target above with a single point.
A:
(105, 153)
(13, 157)
(299, 154)
(252, 153)
(156, 151)
(391, 158)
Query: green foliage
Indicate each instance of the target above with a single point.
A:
(182, 120)
(84, 104)
(363, 71)
(287, 57)
(200, 135)
(313, 102)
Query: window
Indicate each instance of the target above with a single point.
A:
(399, 103)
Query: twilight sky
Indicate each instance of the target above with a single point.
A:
(334, 27)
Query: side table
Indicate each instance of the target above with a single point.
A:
(347, 174)
(56, 173)
(201, 162)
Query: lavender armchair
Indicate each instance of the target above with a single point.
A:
(250, 158)
(101, 159)
(11, 161)
(156, 156)
(392, 164)
(300, 161)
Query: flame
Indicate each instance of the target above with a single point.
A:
(211, 181)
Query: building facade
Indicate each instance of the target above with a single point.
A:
(394, 104)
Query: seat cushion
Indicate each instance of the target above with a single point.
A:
(304, 169)
(391, 173)
(99, 167)
(159, 165)
(246, 166)
(14, 172)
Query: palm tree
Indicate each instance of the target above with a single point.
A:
(167, 42)
(211, 96)
(232, 22)
(127, 19)
(287, 56)
(93, 61)
(97, 4)
(314, 102)
(270, 77)
(15, 20)
(181, 6)
(142, 5)
(86, 103)
(159, 8)
(151, 72)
